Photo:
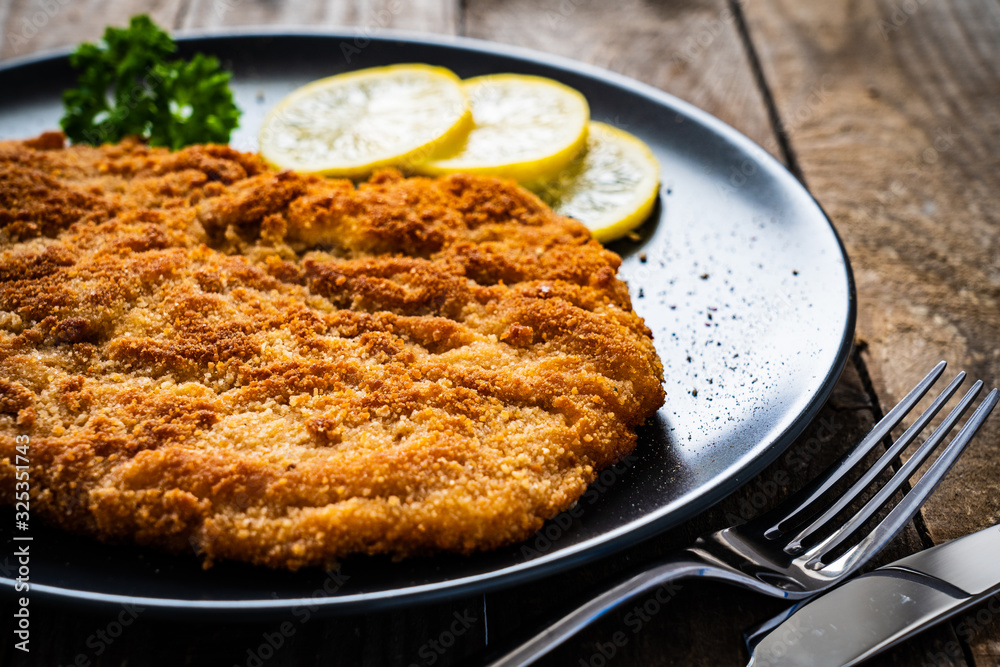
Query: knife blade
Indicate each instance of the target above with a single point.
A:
(874, 611)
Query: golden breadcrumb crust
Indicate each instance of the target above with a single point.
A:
(284, 369)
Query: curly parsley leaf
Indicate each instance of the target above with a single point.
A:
(128, 87)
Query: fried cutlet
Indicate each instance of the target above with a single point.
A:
(284, 369)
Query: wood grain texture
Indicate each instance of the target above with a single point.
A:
(370, 17)
(689, 48)
(904, 153)
(27, 26)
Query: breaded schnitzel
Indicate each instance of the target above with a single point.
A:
(284, 369)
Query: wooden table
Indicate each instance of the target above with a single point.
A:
(889, 112)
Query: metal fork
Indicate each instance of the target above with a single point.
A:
(774, 553)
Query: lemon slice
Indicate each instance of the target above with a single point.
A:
(611, 187)
(524, 127)
(353, 123)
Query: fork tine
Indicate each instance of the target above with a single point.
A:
(915, 497)
(842, 466)
(884, 461)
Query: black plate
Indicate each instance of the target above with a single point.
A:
(739, 274)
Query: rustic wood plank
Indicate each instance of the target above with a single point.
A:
(226, 13)
(904, 153)
(36, 25)
(27, 26)
(369, 16)
(98, 637)
(690, 48)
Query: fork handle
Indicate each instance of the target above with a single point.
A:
(683, 565)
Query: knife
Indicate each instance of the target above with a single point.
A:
(874, 611)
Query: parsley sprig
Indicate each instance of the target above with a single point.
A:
(128, 86)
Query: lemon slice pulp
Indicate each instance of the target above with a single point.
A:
(524, 127)
(352, 123)
(611, 187)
